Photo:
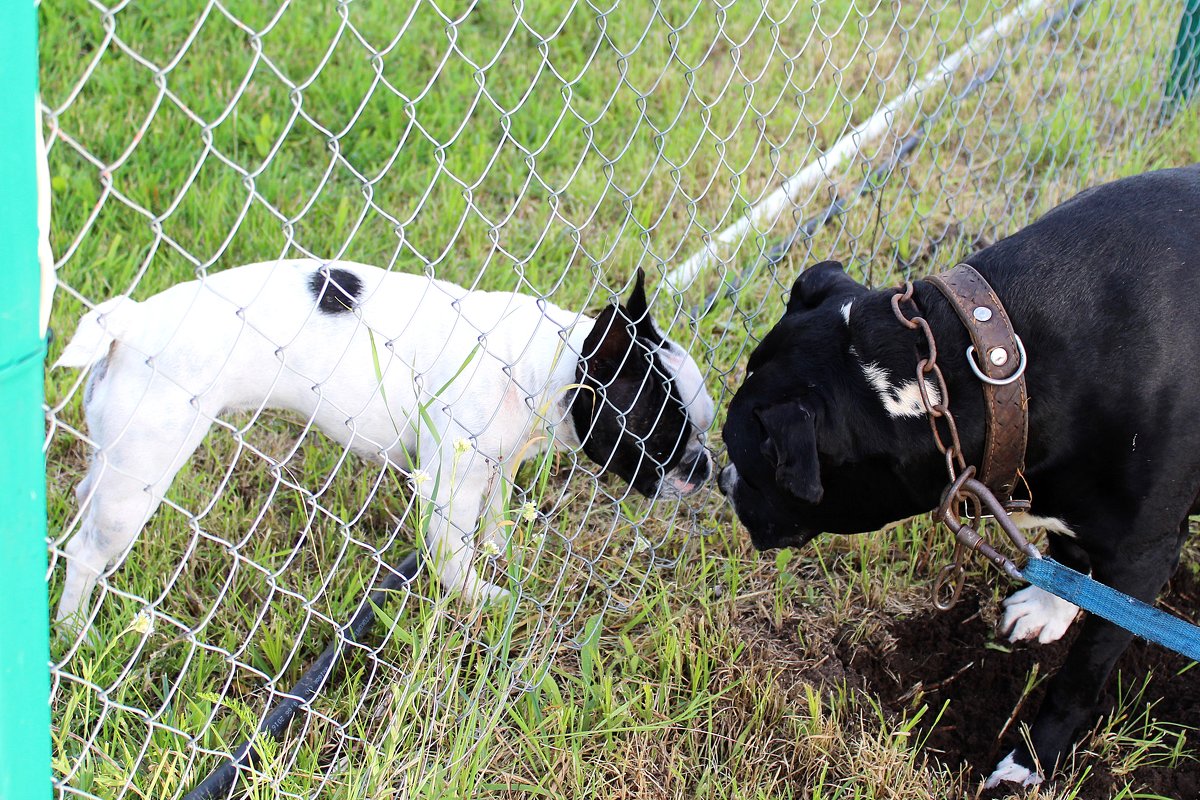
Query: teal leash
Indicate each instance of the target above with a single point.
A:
(1118, 608)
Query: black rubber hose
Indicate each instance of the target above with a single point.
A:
(220, 782)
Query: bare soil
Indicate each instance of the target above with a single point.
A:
(954, 658)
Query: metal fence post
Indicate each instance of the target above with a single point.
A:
(24, 618)
(1184, 76)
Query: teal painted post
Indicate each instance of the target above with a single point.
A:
(1184, 77)
(24, 615)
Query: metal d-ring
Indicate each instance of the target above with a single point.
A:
(1021, 362)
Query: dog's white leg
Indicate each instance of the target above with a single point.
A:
(139, 453)
(456, 494)
(1034, 613)
(1010, 771)
(84, 566)
(114, 514)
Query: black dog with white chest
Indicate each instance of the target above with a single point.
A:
(828, 433)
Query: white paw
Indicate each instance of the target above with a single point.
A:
(1033, 613)
(1009, 770)
(480, 592)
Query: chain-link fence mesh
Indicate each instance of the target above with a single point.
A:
(550, 149)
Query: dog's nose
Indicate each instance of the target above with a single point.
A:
(689, 475)
(726, 479)
(700, 469)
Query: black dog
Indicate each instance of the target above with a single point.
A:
(828, 432)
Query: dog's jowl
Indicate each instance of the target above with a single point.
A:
(404, 370)
(828, 432)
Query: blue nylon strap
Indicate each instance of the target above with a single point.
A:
(1131, 614)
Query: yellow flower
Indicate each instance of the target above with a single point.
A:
(143, 623)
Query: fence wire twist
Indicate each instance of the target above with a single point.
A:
(549, 149)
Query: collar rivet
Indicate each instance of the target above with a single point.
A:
(982, 313)
(998, 356)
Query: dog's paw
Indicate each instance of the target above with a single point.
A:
(1034, 613)
(481, 592)
(1010, 771)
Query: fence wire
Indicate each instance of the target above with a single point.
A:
(550, 149)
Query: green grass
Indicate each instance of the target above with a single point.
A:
(647, 656)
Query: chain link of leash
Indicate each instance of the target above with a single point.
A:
(926, 367)
(954, 574)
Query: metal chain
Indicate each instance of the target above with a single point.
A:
(955, 463)
(953, 574)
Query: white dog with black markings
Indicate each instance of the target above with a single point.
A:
(404, 370)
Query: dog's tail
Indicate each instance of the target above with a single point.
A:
(110, 321)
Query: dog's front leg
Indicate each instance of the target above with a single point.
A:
(1071, 704)
(1036, 615)
(455, 493)
(1073, 696)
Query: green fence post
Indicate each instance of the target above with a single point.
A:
(24, 616)
(1184, 76)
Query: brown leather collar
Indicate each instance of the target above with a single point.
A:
(998, 358)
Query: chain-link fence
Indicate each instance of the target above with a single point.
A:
(550, 149)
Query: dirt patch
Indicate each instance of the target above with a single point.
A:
(955, 659)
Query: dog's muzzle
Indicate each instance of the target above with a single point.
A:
(691, 473)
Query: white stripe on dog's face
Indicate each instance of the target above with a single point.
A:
(696, 465)
(690, 385)
(846, 311)
(899, 401)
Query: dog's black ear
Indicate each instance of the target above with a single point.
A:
(638, 310)
(606, 349)
(791, 445)
(819, 282)
(610, 349)
(610, 341)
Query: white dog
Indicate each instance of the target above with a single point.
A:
(420, 374)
